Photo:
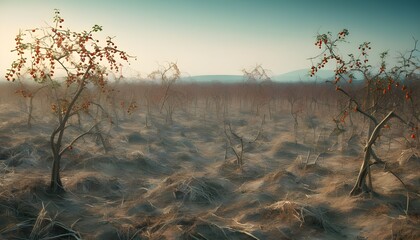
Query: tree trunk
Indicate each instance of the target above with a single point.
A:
(30, 109)
(360, 185)
(56, 185)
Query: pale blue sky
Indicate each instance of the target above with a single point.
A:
(220, 36)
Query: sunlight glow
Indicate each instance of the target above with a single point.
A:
(219, 37)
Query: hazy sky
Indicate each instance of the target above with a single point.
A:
(220, 36)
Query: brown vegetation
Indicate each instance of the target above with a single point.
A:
(171, 179)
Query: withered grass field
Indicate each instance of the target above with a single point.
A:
(167, 174)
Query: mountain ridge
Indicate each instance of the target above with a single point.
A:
(300, 75)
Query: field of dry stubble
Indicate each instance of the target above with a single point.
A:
(172, 172)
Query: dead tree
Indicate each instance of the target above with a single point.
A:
(237, 143)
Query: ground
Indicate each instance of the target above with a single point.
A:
(176, 180)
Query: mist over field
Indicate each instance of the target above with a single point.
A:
(173, 174)
(210, 120)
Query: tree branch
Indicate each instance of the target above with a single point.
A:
(77, 138)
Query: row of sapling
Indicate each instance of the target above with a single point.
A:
(167, 75)
(296, 109)
(292, 99)
(259, 97)
(185, 98)
(29, 95)
(302, 105)
(257, 76)
(238, 143)
(120, 99)
(219, 96)
(221, 103)
(213, 96)
(386, 92)
(257, 93)
(51, 53)
(193, 92)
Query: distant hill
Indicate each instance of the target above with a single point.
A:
(214, 78)
(294, 76)
(302, 75)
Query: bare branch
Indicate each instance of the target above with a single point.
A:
(77, 138)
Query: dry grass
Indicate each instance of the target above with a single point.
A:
(172, 181)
